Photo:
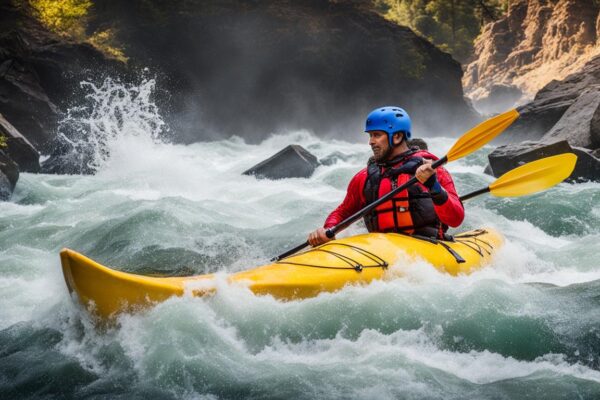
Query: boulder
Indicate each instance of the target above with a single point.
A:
(587, 167)
(580, 124)
(18, 148)
(293, 161)
(9, 175)
(550, 103)
(505, 158)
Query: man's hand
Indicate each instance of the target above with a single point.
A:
(424, 172)
(318, 237)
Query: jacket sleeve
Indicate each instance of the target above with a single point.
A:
(451, 212)
(353, 201)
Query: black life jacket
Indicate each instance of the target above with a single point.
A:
(411, 211)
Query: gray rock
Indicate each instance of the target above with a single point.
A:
(19, 149)
(550, 103)
(587, 167)
(580, 124)
(9, 175)
(488, 170)
(293, 161)
(505, 158)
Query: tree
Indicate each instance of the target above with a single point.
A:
(452, 25)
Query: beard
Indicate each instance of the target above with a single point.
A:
(380, 154)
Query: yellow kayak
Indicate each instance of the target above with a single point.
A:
(349, 261)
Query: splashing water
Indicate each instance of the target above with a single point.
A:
(112, 111)
(526, 327)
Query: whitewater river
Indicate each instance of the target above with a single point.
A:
(528, 326)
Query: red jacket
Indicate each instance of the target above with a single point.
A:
(450, 213)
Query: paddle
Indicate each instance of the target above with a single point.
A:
(530, 178)
(471, 141)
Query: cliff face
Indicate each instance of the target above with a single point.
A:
(40, 74)
(235, 68)
(257, 67)
(536, 42)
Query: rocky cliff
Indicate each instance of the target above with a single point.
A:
(257, 67)
(536, 42)
(40, 73)
(234, 68)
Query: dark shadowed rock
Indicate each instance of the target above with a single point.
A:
(40, 73)
(9, 175)
(292, 162)
(256, 67)
(18, 148)
(488, 170)
(587, 167)
(580, 124)
(505, 158)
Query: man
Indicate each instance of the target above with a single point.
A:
(426, 208)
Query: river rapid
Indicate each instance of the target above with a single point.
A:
(528, 326)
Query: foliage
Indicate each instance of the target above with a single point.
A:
(65, 17)
(105, 42)
(69, 18)
(452, 25)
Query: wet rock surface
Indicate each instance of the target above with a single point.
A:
(9, 175)
(507, 157)
(294, 161)
(18, 148)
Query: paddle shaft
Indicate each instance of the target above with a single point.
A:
(475, 193)
(331, 232)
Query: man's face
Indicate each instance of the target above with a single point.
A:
(378, 140)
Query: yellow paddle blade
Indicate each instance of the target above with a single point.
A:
(483, 133)
(534, 176)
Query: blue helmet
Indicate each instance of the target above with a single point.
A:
(390, 120)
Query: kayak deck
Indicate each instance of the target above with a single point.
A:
(327, 268)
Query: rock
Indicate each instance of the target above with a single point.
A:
(418, 143)
(587, 167)
(534, 42)
(18, 148)
(40, 73)
(580, 124)
(505, 158)
(257, 67)
(550, 103)
(334, 158)
(292, 162)
(9, 175)
(488, 170)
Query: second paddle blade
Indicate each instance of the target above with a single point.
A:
(534, 176)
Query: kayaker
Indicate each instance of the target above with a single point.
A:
(427, 208)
